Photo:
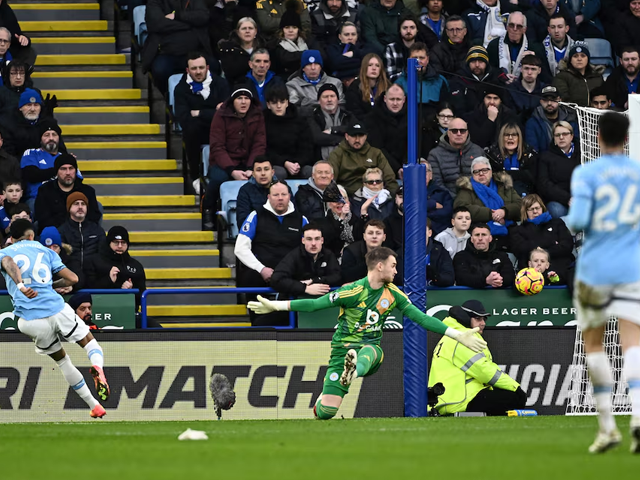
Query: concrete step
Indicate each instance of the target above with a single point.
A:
(91, 80)
(186, 323)
(96, 94)
(187, 273)
(127, 165)
(175, 257)
(155, 222)
(168, 237)
(194, 298)
(55, 12)
(118, 150)
(188, 283)
(196, 310)
(129, 201)
(90, 59)
(66, 26)
(74, 45)
(137, 185)
(102, 115)
(123, 129)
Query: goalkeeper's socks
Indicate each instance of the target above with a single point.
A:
(366, 357)
(95, 354)
(323, 412)
(74, 378)
(632, 372)
(602, 380)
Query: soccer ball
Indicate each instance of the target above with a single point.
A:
(529, 281)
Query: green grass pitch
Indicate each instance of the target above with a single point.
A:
(401, 448)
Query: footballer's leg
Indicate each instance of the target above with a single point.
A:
(333, 391)
(96, 357)
(630, 340)
(362, 363)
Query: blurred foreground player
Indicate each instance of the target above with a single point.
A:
(364, 307)
(42, 313)
(605, 204)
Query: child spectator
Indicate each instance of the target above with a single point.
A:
(12, 194)
(455, 238)
(539, 259)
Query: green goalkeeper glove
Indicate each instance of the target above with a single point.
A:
(467, 338)
(263, 306)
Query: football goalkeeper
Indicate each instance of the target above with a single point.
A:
(364, 306)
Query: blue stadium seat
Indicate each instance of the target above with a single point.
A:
(294, 184)
(173, 83)
(205, 159)
(601, 54)
(228, 196)
(139, 24)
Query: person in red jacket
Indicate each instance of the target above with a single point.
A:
(236, 138)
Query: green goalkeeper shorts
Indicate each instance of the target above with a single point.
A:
(336, 367)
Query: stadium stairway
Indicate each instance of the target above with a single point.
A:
(105, 122)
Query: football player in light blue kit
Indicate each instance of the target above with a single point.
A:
(28, 269)
(605, 203)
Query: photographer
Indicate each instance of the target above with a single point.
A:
(472, 381)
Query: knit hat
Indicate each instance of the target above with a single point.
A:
(291, 17)
(240, 92)
(47, 124)
(50, 236)
(118, 233)
(311, 56)
(74, 197)
(64, 159)
(29, 96)
(328, 86)
(78, 299)
(490, 89)
(478, 52)
(580, 47)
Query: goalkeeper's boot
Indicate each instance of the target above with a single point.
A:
(635, 438)
(98, 411)
(605, 441)
(349, 373)
(102, 387)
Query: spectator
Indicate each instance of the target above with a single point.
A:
(600, 98)
(82, 303)
(198, 95)
(368, 86)
(304, 86)
(577, 76)
(19, 45)
(538, 229)
(328, 122)
(379, 23)
(525, 92)
(327, 19)
(436, 126)
(11, 195)
(259, 75)
(432, 86)
(253, 194)
(372, 200)
(627, 27)
(469, 84)
(84, 236)
(266, 236)
(224, 16)
(557, 44)
(387, 126)
(450, 54)
(490, 199)
(353, 264)
(555, 169)
(439, 203)
(309, 199)
(16, 77)
(396, 53)
(538, 17)
(484, 20)
(269, 14)
(354, 156)
(587, 18)
(235, 53)
(538, 129)
(512, 155)
(480, 264)
(5, 54)
(288, 135)
(345, 58)
(309, 269)
(340, 228)
(625, 78)
(486, 120)
(237, 137)
(9, 165)
(50, 238)
(292, 42)
(14, 212)
(454, 239)
(113, 266)
(394, 223)
(51, 201)
(432, 16)
(175, 29)
(453, 156)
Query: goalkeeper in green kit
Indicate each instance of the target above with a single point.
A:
(364, 307)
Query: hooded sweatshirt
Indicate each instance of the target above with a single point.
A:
(452, 243)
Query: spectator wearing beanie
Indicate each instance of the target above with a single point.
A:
(292, 41)
(305, 84)
(113, 267)
(577, 77)
(83, 235)
(50, 238)
(51, 201)
(82, 304)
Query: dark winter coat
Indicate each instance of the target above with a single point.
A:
(538, 19)
(224, 16)
(299, 265)
(554, 174)
(318, 124)
(324, 25)
(236, 142)
(353, 264)
(373, 213)
(394, 229)
(524, 179)
(388, 132)
(84, 238)
(482, 131)
(186, 100)
(472, 267)
(340, 66)
(379, 25)
(431, 134)
(538, 132)
(523, 101)
(22, 135)
(9, 166)
(234, 59)
(467, 92)
(449, 163)
(447, 57)
(627, 30)
(439, 266)
(467, 197)
(354, 103)
(10, 96)
(288, 137)
(616, 86)
(251, 196)
(9, 21)
(51, 204)
(309, 202)
(440, 217)
(574, 87)
(332, 228)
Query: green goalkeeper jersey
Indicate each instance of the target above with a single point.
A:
(364, 310)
